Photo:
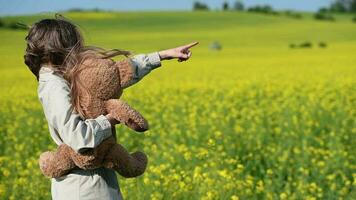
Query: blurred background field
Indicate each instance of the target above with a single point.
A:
(265, 108)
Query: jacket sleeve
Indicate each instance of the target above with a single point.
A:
(142, 65)
(76, 132)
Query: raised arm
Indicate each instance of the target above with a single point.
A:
(143, 64)
(79, 134)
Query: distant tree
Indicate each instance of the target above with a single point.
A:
(350, 5)
(2, 24)
(306, 44)
(354, 19)
(324, 16)
(323, 10)
(200, 6)
(343, 6)
(353, 6)
(225, 6)
(338, 6)
(323, 45)
(266, 9)
(239, 6)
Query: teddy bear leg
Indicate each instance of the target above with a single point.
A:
(58, 163)
(124, 113)
(126, 164)
(93, 158)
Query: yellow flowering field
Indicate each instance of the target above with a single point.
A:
(256, 119)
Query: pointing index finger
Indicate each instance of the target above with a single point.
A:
(190, 45)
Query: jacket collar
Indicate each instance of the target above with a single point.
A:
(46, 73)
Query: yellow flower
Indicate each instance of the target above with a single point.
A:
(224, 173)
(211, 142)
(2, 190)
(260, 186)
(6, 172)
(234, 197)
(283, 196)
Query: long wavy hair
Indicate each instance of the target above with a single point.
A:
(59, 43)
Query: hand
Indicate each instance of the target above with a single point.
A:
(182, 53)
(112, 120)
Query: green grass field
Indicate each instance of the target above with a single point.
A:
(256, 120)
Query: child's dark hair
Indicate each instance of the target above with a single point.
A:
(58, 42)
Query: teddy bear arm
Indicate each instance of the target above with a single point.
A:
(93, 158)
(126, 164)
(55, 164)
(125, 114)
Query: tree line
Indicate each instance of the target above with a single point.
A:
(324, 13)
(238, 5)
(341, 6)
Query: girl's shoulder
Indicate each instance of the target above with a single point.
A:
(53, 87)
(49, 80)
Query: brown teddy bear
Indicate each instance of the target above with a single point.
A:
(98, 83)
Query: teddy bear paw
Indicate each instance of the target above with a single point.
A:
(45, 159)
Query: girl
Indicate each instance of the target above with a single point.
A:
(52, 49)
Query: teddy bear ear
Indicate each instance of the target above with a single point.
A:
(126, 72)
